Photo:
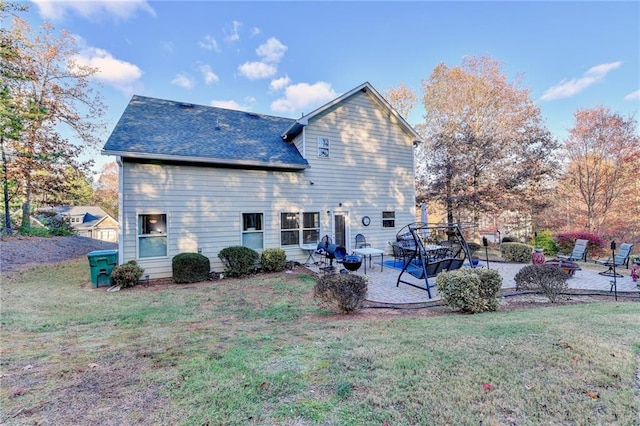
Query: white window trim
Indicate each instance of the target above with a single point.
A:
(302, 228)
(281, 230)
(386, 219)
(138, 236)
(324, 146)
(242, 231)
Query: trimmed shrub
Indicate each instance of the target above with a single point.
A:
(127, 274)
(343, 293)
(510, 240)
(490, 286)
(516, 252)
(546, 241)
(273, 260)
(239, 261)
(567, 240)
(551, 280)
(190, 268)
(470, 290)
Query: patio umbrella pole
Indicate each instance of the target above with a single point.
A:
(485, 243)
(614, 282)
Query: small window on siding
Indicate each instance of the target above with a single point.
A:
(323, 147)
(152, 235)
(388, 219)
(311, 228)
(289, 229)
(252, 231)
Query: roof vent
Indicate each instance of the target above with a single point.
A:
(253, 115)
(185, 106)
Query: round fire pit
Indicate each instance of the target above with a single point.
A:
(567, 267)
(352, 262)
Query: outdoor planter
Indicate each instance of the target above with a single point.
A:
(537, 257)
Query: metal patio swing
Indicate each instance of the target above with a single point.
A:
(426, 261)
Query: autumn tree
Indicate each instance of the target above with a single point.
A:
(54, 97)
(402, 99)
(106, 192)
(603, 159)
(10, 114)
(487, 148)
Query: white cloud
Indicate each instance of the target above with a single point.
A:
(566, 89)
(249, 102)
(207, 74)
(255, 31)
(209, 43)
(95, 9)
(235, 33)
(111, 71)
(633, 96)
(257, 70)
(184, 80)
(303, 96)
(271, 51)
(279, 84)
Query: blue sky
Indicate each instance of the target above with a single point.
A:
(290, 57)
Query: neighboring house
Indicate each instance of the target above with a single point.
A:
(198, 179)
(89, 221)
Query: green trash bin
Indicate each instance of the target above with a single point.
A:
(101, 263)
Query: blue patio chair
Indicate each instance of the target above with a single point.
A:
(579, 252)
(621, 258)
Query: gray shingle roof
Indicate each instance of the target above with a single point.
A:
(167, 130)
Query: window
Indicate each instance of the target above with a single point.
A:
(323, 147)
(310, 228)
(289, 229)
(252, 231)
(107, 235)
(152, 235)
(388, 219)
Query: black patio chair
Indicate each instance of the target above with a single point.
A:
(361, 241)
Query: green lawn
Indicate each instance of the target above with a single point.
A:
(259, 351)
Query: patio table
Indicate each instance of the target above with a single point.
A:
(368, 251)
(311, 249)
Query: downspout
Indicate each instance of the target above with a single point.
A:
(120, 164)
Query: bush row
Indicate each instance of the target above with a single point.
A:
(561, 243)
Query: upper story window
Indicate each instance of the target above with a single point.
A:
(289, 229)
(323, 147)
(252, 231)
(388, 219)
(152, 235)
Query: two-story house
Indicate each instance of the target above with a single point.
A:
(198, 179)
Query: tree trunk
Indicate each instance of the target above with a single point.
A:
(26, 206)
(5, 177)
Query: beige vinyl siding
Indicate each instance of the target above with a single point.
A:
(204, 205)
(370, 170)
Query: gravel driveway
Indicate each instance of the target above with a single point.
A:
(17, 252)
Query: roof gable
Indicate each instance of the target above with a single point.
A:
(159, 129)
(93, 211)
(366, 87)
